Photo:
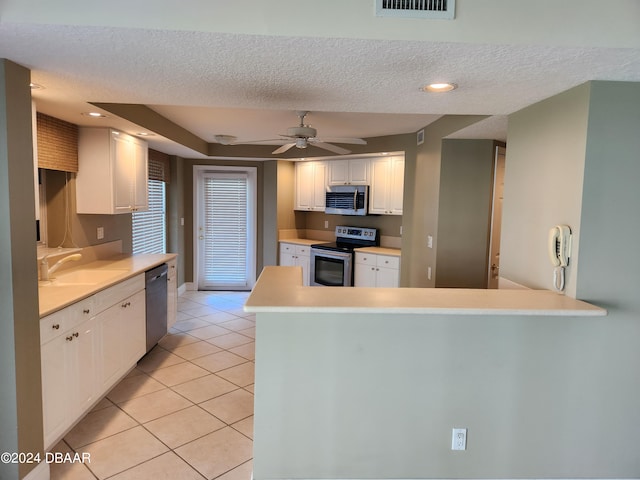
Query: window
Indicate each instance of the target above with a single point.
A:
(149, 229)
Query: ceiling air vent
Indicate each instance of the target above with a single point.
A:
(439, 9)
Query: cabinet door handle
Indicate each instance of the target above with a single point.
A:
(56, 326)
(86, 311)
(70, 338)
(76, 334)
(125, 305)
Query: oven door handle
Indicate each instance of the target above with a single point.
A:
(330, 254)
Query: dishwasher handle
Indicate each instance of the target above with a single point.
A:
(153, 279)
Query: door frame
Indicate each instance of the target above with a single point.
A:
(495, 223)
(252, 224)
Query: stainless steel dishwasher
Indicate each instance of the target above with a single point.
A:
(156, 302)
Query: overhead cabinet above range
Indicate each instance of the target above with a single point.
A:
(112, 172)
(349, 172)
(383, 174)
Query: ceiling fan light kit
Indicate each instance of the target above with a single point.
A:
(225, 139)
(303, 135)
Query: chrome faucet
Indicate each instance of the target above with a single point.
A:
(45, 271)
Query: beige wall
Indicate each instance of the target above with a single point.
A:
(464, 213)
(67, 228)
(421, 199)
(543, 185)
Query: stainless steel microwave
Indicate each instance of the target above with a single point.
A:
(347, 200)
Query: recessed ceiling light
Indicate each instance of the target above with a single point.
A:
(439, 87)
(94, 114)
(225, 139)
(145, 134)
(35, 86)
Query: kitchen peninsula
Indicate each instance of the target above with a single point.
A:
(369, 382)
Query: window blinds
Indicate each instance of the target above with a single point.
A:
(149, 228)
(225, 225)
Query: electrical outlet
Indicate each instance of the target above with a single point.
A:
(459, 439)
(100, 233)
(326, 224)
(429, 241)
(428, 273)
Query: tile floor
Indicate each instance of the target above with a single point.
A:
(185, 412)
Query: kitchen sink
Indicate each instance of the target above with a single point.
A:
(82, 277)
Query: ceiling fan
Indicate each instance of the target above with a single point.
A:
(303, 135)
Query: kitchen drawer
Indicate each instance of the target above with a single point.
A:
(112, 295)
(366, 258)
(294, 249)
(58, 322)
(172, 269)
(287, 248)
(388, 261)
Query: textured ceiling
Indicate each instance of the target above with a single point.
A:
(249, 86)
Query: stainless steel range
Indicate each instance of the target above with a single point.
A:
(332, 263)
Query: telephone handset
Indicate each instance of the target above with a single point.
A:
(559, 253)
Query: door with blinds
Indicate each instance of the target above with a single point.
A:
(226, 229)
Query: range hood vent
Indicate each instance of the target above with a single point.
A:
(436, 9)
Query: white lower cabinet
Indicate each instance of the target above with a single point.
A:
(68, 378)
(122, 330)
(373, 270)
(294, 255)
(85, 349)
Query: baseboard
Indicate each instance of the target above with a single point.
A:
(190, 286)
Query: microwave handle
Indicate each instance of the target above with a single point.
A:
(355, 199)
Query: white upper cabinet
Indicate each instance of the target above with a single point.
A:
(387, 185)
(311, 178)
(112, 172)
(349, 172)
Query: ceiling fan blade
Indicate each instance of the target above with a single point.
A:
(268, 141)
(330, 147)
(283, 148)
(351, 141)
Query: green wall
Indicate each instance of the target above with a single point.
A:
(20, 387)
(584, 145)
(546, 144)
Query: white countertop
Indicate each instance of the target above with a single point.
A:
(279, 289)
(52, 298)
(394, 252)
(302, 241)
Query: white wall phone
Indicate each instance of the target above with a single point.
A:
(559, 253)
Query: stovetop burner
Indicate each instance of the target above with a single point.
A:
(350, 238)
